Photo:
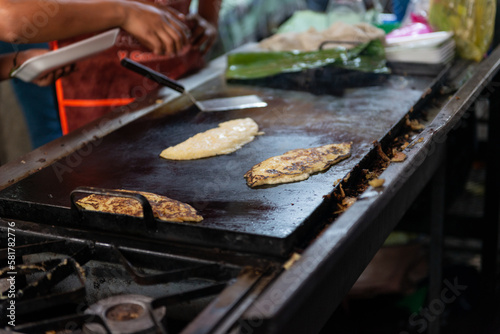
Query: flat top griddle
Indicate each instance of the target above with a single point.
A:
(266, 219)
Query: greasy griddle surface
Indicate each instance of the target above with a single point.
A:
(129, 157)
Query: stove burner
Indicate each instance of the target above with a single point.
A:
(125, 314)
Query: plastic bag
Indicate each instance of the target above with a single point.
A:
(472, 22)
(416, 11)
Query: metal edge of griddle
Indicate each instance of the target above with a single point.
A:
(134, 227)
(314, 280)
(432, 90)
(29, 232)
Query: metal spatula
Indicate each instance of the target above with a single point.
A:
(219, 104)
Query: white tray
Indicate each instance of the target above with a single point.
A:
(39, 65)
(427, 55)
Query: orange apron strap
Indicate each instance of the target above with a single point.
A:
(63, 103)
(60, 97)
(97, 103)
(62, 110)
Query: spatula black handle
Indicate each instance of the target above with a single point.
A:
(152, 74)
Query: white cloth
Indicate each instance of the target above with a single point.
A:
(311, 39)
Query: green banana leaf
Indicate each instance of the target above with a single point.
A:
(367, 57)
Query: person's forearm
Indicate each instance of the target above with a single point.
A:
(26, 21)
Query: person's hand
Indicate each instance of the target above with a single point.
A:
(48, 78)
(51, 77)
(162, 31)
(203, 33)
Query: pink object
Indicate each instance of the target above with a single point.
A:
(417, 28)
(418, 18)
